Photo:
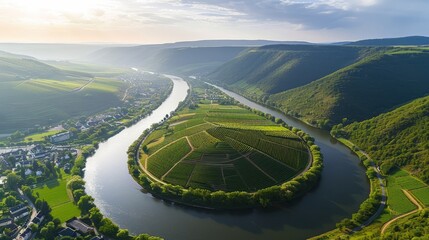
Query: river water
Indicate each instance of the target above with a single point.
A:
(342, 188)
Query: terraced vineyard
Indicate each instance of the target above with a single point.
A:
(223, 147)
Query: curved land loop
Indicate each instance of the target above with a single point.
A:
(414, 201)
(210, 152)
(216, 156)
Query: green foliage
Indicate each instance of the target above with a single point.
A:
(85, 203)
(108, 228)
(399, 137)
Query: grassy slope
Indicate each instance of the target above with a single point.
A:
(273, 69)
(365, 89)
(34, 93)
(400, 136)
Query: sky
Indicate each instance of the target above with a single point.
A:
(160, 21)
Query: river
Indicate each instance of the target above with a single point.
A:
(342, 188)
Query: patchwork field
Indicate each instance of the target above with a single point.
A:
(223, 147)
(397, 201)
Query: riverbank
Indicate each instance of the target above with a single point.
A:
(120, 197)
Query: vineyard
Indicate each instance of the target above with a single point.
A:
(218, 147)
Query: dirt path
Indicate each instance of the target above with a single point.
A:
(184, 157)
(260, 169)
(414, 201)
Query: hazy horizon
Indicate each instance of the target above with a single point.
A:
(167, 21)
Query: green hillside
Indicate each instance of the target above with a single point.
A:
(13, 67)
(34, 93)
(374, 85)
(399, 137)
(273, 69)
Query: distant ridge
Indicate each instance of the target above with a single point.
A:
(401, 41)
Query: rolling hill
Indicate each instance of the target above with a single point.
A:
(399, 137)
(34, 93)
(374, 85)
(277, 68)
(401, 41)
(19, 67)
(192, 57)
(158, 58)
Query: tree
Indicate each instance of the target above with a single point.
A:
(13, 181)
(108, 228)
(95, 216)
(85, 203)
(77, 194)
(123, 234)
(76, 182)
(48, 231)
(10, 201)
(34, 227)
(43, 206)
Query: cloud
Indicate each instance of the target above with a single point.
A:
(174, 20)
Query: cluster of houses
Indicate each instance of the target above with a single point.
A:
(16, 214)
(97, 120)
(24, 158)
(73, 228)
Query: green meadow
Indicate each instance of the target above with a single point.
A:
(55, 193)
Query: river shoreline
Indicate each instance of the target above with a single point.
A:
(342, 188)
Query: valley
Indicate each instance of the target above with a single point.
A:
(185, 153)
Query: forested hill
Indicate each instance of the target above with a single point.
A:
(399, 137)
(276, 68)
(362, 90)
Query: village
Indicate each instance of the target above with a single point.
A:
(32, 159)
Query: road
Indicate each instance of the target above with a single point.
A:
(413, 200)
(33, 210)
(383, 202)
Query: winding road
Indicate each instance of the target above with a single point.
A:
(414, 201)
(383, 201)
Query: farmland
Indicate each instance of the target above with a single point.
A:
(397, 201)
(223, 147)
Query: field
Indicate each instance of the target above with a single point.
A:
(55, 193)
(223, 147)
(40, 136)
(397, 202)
